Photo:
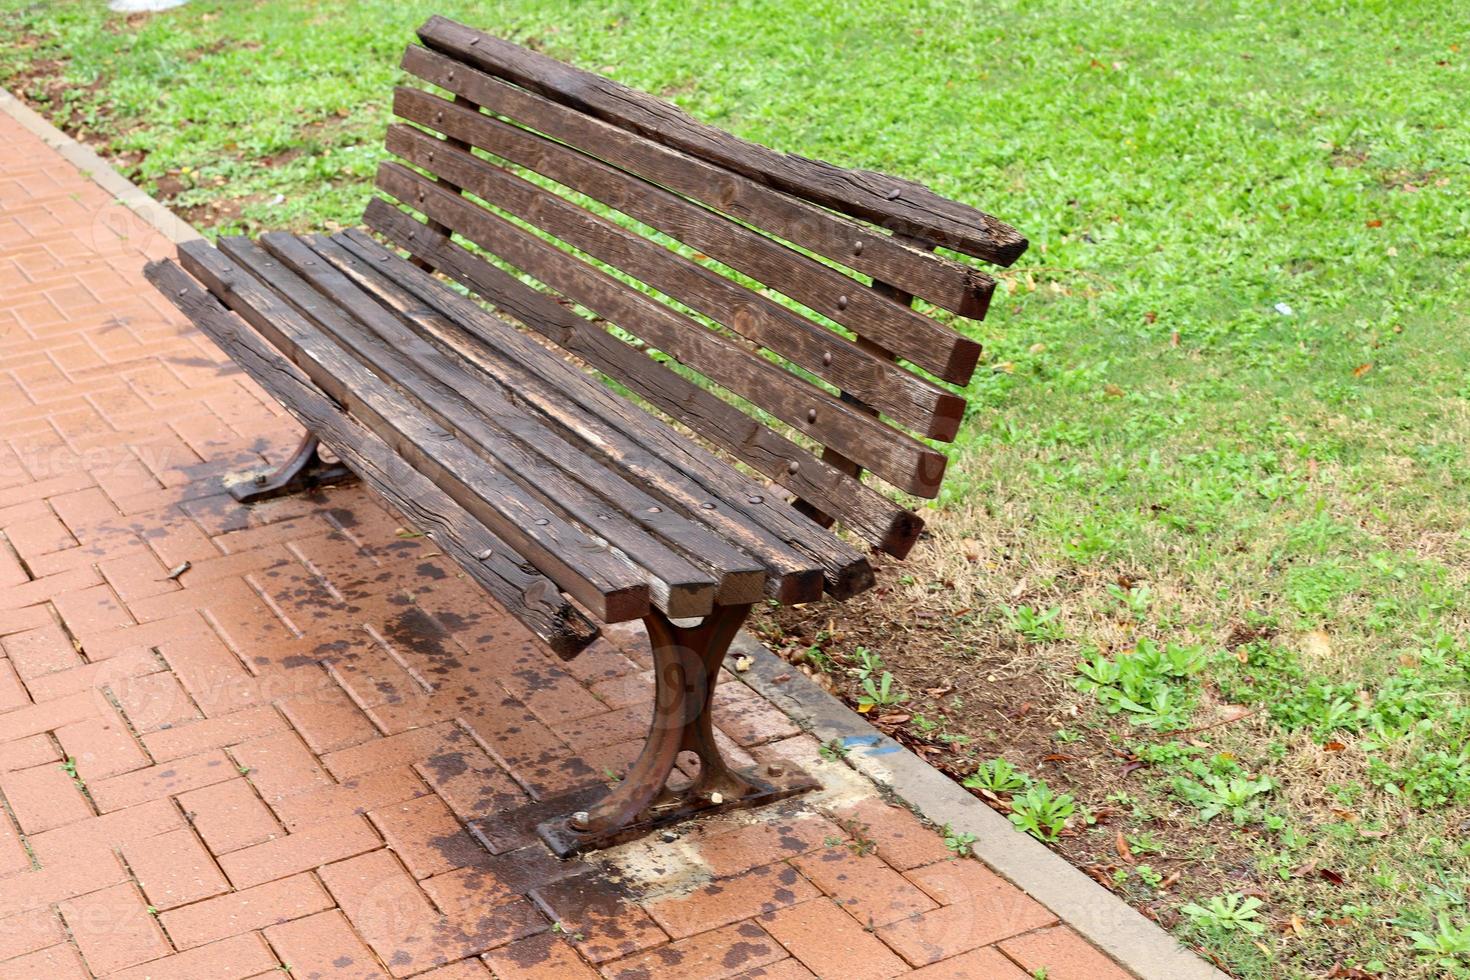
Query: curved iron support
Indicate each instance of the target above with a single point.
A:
(686, 662)
(305, 470)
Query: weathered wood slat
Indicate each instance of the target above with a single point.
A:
(947, 284)
(535, 456)
(561, 392)
(824, 289)
(898, 205)
(583, 566)
(487, 559)
(591, 424)
(896, 457)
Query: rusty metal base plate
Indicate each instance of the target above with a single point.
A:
(267, 486)
(566, 841)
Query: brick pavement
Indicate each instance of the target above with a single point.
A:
(308, 749)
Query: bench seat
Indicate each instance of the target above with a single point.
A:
(629, 514)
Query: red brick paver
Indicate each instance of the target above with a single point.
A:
(318, 748)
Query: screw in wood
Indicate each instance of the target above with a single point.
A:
(827, 359)
(811, 415)
(857, 248)
(793, 466)
(842, 302)
(707, 505)
(757, 499)
(542, 521)
(486, 555)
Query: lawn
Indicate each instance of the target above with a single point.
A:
(1194, 606)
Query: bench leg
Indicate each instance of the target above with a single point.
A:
(687, 663)
(305, 470)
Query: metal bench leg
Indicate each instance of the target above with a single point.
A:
(687, 663)
(305, 470)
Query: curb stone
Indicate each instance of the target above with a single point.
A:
(1105, 920)
(1135, 942)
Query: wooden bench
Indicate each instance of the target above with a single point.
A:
(744, 302)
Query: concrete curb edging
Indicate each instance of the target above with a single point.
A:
(99, 171)
(1105, 920)
(1111, 924)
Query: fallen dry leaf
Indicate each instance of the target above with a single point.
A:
(1124, 851)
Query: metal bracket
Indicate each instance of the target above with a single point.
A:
(686, 663)
(305, 470)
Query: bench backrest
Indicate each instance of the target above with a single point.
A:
(784, 281)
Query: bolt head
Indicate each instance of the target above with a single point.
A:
(580, 819)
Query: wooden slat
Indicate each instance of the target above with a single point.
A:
(897, 205)
(896, 457)
(529, 596)
(563, 393)
(947, 284)
(534, 455)
(583, 566)
(591, 424)
(826, 290)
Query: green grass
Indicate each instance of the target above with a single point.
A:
(1144, 410)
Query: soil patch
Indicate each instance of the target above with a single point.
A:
(975, 695)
